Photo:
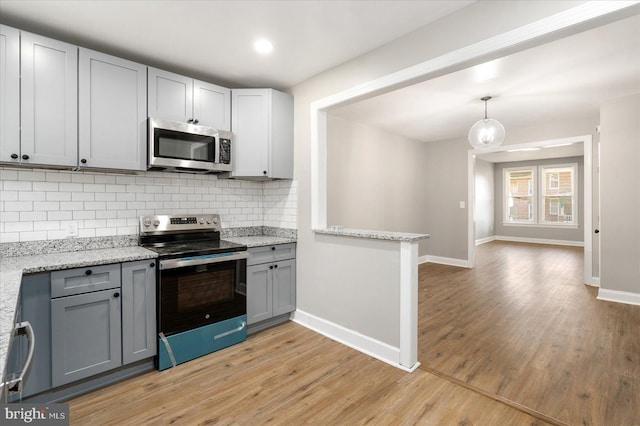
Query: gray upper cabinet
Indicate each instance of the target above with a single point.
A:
(112, 112)
(49, 101)
(86, 335)
(176, 97)
(138, 310)
(212, 105)
(9, 94)
(262, 125)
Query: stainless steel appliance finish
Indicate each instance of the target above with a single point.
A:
(179, 146)
(201, 285)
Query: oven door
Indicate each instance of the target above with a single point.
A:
(201, 290)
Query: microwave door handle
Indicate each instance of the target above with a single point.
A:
(182, 263)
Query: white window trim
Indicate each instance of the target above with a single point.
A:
(574, 191)
(505, 206)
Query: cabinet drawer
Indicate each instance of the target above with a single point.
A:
(84, 280)
(273, 253)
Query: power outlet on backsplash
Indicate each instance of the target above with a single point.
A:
(72, 229)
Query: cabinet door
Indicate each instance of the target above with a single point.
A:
(49, 101)
(250, 127)
(212, 105)
(113, 112)
(9, 94)
(85, 335)
(259, 289)
(138, 310)
(170, 95)
(284, 287)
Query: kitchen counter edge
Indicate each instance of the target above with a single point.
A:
(260, 240)
(373, 235)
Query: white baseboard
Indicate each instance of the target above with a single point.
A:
(594, 282)
(462, 263)
(353, 339)
(485, 240)
(619, 296)
(540, 241)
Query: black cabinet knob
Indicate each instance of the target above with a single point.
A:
(271, 267)
(276, 266)
(597, 231)
(273, 248)
(83, 161)
(116, 294)
(190, 120)
(14, 156)
(152, 265)
(88, 272)
(196, 121)
(25, 157)
(264, 172)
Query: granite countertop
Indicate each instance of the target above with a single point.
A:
(375, 235)
(260, 240)
(12, 269)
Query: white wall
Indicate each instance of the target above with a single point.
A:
(37, 204)
(620, 195)
(376, 179)
(484, 198)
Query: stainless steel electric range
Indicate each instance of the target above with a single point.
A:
(201, 286)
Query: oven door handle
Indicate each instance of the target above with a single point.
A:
(202, 260)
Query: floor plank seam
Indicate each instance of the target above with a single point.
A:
(505, 401)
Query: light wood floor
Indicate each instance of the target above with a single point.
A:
(527, 331)
(523, 326)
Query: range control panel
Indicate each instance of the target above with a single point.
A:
(179, 223)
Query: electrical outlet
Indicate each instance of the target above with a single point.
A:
(72, 229)
(462, 204)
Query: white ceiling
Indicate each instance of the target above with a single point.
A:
(213, 39)
(564, 80)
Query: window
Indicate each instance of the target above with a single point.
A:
(550, 201)
(557, 195)
(520, 195)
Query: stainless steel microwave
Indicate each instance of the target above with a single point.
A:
(178, 146)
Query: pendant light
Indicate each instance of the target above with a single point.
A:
(486, 133)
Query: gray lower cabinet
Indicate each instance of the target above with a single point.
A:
(102, 317)
(271, 282)
(86, 335)
(138, 310)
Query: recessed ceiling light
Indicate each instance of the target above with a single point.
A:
(263, 46)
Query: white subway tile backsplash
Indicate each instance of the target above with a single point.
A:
(14, 185)
(104, 204)
(59, 215)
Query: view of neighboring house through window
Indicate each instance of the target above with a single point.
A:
(550, 201)
(557, 194)
(520, 195)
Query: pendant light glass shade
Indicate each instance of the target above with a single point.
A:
(487, 132)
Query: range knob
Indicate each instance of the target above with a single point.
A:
(201, 220)
(146, 222)
(215, 220)
(156, 222)
(208, 221)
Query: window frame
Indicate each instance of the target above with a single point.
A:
(574, 194)
(538, 194)
(532, 193)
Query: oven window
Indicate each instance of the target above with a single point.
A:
(198, 290)
(185, 146)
